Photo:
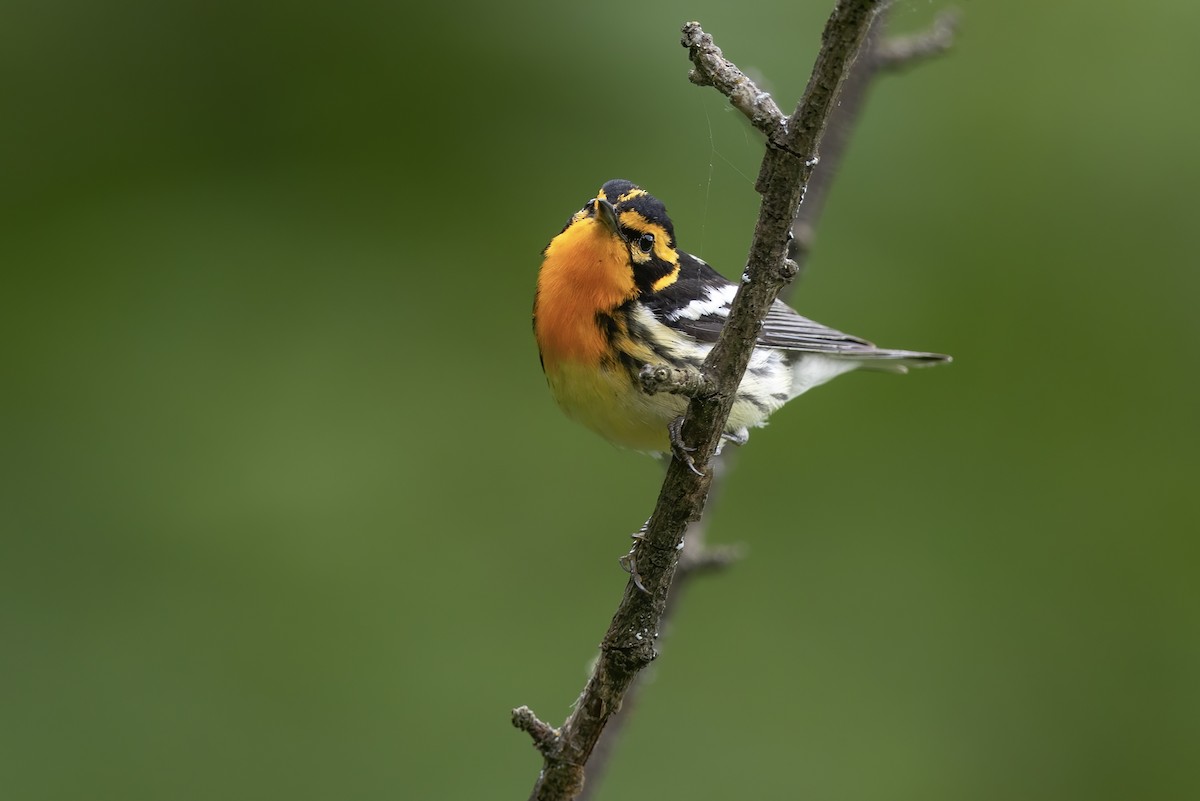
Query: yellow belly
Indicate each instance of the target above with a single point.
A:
(607, 401)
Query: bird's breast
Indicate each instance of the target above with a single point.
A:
(585, 276)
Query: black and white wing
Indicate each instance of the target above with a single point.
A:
(697, 303)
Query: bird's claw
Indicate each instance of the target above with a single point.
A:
(629, 565)
(682, 452)
(629, 561)
(739, 437)
(640, 534)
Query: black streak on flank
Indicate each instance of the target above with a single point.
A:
(608, 325)
(615, 328)
(756, 403)
(610, 328)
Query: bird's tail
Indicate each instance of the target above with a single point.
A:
(813, 369)
(896, 361)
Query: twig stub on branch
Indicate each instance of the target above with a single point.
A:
(686, 381)
(713, 69)
(545, 736)
(899, 52)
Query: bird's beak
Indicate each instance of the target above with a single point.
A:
(607, 215)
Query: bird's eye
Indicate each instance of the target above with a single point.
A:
(645, 243)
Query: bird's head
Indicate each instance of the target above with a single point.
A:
(622, 238)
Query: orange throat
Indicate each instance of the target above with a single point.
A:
(586, 272)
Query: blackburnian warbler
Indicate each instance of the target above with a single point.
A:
(614, 293)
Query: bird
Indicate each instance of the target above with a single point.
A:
(615, 293)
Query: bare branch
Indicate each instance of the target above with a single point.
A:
(544, 735)
(713, 69)
(837, 137)
(900, 52)
(697, 557)
(709, 559)
(881, 54)
(629, 644)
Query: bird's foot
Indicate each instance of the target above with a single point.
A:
(629, 561)
(682, 452)
(739, 437)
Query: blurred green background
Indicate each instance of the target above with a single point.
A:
(288, 513)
